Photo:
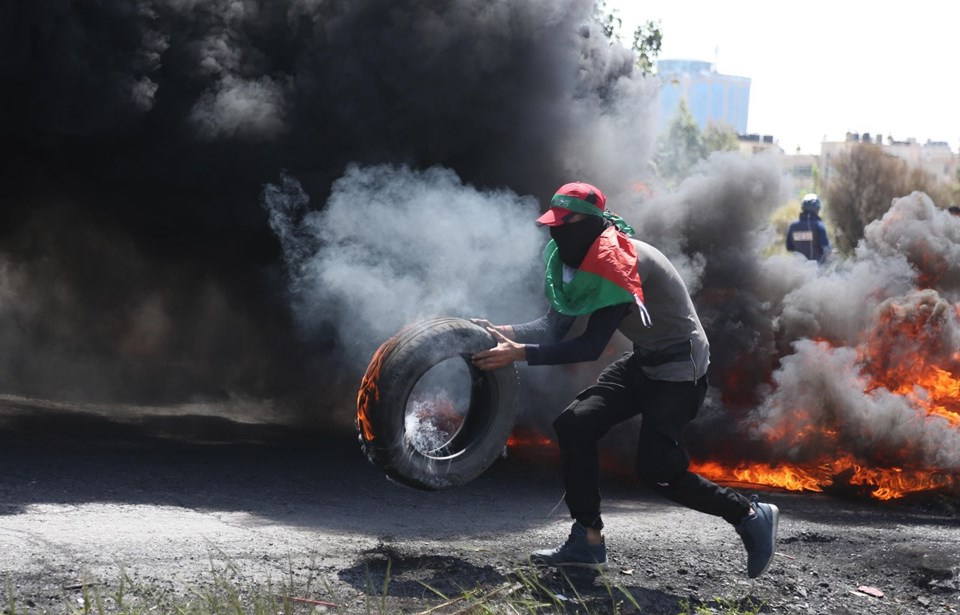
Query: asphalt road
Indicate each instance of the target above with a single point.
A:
(172, 501)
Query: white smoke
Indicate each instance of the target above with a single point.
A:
(234, 107)
(838, 303)
(393, 245)
(822, 389)
(926, 236)
(913, 244)
(826, 398)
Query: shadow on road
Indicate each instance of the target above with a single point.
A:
(313, 479)
(274, 472)
(389, 571)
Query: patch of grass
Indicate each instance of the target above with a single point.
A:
(722, 606)
(224, 592)
(383, 591)
(11, 600)
(227, 592)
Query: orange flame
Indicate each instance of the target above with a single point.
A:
(369, 393)
(786, 477)
(904, 352)
(524, 438)
(883, 483)
(936, 391)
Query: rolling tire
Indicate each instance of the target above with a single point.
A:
(390, 378)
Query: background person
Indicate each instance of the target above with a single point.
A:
(808, 235)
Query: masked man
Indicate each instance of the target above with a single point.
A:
(594, 270)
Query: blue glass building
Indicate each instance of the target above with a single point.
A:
(711, 97)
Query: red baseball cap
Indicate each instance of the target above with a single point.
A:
(573, 198)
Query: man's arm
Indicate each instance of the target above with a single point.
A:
(550, 327)
(586, 347)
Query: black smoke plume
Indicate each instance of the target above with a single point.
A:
(136, 261)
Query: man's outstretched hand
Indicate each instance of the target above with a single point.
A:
(504, 353)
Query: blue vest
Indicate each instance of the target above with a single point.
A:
(807, 236)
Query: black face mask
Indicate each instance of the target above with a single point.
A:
(575, 238)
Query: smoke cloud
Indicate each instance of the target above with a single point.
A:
(137, 261)
(851, 343)
(823, 399)
(222, 199)
(393, 245)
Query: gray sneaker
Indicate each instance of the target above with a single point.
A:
(759, 535)
(575, 552)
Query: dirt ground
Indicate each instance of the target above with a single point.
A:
(173, 501)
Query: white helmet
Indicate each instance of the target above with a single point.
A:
(811, 203)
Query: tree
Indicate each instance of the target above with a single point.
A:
(647, 37)
(680, 148)
(918, 179)
(721, 138)
(608, 19)
(684, 145)
(865, 181)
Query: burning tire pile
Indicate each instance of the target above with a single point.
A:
(426, 415)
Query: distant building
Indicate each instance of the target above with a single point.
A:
(934, 157)
(711, 97)
(754, 144)
(802, 169)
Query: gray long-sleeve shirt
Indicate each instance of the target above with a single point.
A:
(674, 347)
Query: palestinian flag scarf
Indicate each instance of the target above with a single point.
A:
(607, 276)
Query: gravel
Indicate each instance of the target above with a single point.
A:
(179, 504)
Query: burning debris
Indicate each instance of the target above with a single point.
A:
(912, 351)
(872, 399)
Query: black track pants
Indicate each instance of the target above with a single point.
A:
(622, 391)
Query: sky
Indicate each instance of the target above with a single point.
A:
(820, 69)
